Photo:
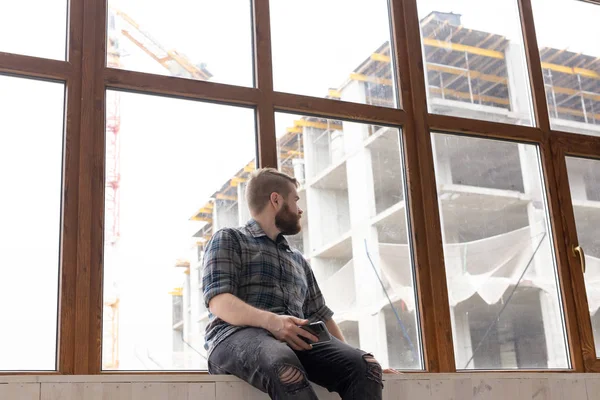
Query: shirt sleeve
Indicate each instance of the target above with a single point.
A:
(315, 308)
(221, 265)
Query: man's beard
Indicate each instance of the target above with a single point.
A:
(287, 222)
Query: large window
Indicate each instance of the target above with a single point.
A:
(355, 229)
(447, 152)
(171, 180)
(34, 28)
(328, 52)
(475, 60)
(30, 170)
(500, 268)
(570, 63)
(584, 180)
(203, 40)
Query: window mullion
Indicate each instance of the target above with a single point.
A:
(263, 72)
(536, 77)
(68, 271)
(88, 299)
(426, 229)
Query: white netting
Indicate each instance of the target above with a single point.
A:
(487, 267)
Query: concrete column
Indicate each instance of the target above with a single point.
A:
(543, 266)
(187, 317)
(443, 176)
(196, 336)
(305, 222)
(461, 332)
(243, 211)
(298, 166)
(326, 205)
(315, 158)
(355, 92)
(316, 153)
(361, 197)
(225, 215)
(443, 169)
(314, 224)
(518, 82)
(577, 181)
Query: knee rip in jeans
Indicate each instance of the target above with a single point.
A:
(374, 371)
(291, 378)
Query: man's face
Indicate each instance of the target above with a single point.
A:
(287, 219)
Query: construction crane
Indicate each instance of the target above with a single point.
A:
(121, 26)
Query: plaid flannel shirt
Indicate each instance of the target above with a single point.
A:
(265, 274)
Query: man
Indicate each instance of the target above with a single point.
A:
(260, 291)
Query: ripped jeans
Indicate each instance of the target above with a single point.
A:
(256, 357)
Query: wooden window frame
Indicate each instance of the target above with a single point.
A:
(564, 145)
(85, 72)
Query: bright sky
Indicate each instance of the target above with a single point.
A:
(30, 143)
(176, 153)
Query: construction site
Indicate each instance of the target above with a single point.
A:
(126, 35)
(499, 259)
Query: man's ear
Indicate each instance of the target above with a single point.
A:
(275, 198)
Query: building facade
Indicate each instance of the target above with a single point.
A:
(499, 259)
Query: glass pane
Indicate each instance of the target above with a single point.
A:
(584, 179)
(170, 180)
(339, 49)
(570, 62)
(475, 60)
(31, 149)
(203, 40)
(354, 230)
(34, 28)
(500, 265)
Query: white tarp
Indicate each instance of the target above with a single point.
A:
(487, 267)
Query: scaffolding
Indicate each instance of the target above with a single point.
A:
(470, 66)
(464, 68)
(463, 65)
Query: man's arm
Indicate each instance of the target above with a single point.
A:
(284, 327)
(238, 313)
(335, 330)
(220, 279)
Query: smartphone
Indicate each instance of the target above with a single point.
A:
(319, 330)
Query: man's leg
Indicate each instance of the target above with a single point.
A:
(341, 368)
(256, 357)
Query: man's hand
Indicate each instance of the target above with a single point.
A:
(284, 327)
(391, 371)
(287, 329)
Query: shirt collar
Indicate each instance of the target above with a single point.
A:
(256, 231)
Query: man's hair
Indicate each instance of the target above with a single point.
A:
(262, 183)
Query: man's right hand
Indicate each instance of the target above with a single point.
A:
(287, 329)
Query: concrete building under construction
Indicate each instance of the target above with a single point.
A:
(501, 273)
